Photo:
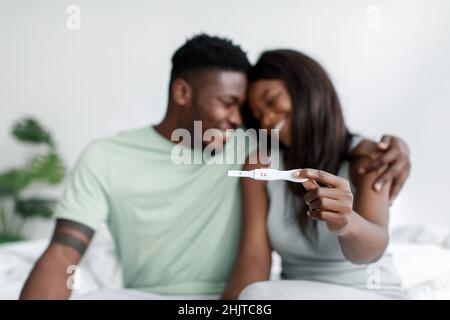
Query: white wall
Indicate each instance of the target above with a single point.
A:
(112, 73)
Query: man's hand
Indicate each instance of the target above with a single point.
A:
(391, 153)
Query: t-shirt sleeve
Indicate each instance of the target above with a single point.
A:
(85, 196)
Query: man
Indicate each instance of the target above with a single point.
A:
(175, 227)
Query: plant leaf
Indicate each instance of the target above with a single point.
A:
(13, 181)
(30, 130)
(5, 238)
(35, 208)
(47, 167)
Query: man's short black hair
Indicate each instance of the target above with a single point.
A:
(209, 53)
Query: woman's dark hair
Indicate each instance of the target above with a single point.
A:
(319, 136)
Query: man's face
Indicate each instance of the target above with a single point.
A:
(216, 100)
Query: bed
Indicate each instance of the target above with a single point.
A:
(422, 256)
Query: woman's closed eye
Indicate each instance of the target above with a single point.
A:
(271, 101)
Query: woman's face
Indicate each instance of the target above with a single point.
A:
(271, 106)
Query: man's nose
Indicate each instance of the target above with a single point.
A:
(235, 116)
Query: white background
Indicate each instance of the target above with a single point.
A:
(390, 61)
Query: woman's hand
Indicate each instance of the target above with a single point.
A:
(333, 203)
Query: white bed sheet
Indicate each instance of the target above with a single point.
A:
(422, 256)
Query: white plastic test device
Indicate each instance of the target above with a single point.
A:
(267, 174)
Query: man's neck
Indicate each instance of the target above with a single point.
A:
(168, 125)
(164, 129)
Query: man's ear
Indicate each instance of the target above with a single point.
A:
(181, 92)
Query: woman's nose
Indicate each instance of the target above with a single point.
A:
(267, 120)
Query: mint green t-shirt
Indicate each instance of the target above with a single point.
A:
(176, 227)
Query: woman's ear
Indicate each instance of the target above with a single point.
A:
(181, 92)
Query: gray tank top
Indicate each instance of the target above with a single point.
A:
(321, 260)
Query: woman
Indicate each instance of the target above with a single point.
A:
(331, 230)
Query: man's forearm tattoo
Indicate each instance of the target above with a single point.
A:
(72, 234)
(70, 241)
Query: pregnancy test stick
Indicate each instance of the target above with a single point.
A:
(267, 174)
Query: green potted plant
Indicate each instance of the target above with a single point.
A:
(44, 165)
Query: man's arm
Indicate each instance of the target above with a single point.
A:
(254, 257)
(50, 275)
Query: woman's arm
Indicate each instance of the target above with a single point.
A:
(360, 221)
(369, 235)
(253, 261)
